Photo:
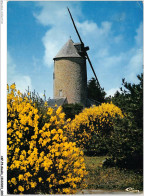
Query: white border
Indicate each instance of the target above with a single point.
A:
(3, 82)
(3, 92)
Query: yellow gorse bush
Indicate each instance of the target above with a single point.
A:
(92, 122)
(40, 158)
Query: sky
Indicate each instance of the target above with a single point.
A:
(37, 30)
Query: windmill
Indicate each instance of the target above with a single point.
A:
(70, 72)
(83, 48)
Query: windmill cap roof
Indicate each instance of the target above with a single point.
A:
(68, 50)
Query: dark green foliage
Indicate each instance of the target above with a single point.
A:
(95, 92)
(130, 100)
(71, 110)
(99, 144)
(126, 146)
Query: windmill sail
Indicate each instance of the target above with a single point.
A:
(84, 48)
(75, 26)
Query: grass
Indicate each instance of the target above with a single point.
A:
(110, 178)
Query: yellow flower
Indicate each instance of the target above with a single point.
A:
(58, 111)
(27, 187)
(32, 148)
(20, 177)
(13, 181)
(66, 190)
(53, 131)
(45, 104)
(69, 119)
(12, 87)
(50, 111)
(20, 188)
(61, 182)
(48, 179)
(15, 191)
(33, 184)
(17, 150)
(20, 135)
(92, 121)
(40, 179)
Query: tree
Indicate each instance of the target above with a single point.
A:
(95, 92)
(130, 100)
(126, 149)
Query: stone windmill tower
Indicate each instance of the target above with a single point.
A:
(70, 72)
(70, 75)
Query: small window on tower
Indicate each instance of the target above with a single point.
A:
(60, 93)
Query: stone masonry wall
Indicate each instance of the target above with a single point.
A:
(70, 77)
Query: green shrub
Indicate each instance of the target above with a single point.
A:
(126, 147)
(91, 129)
(130, 100)
(71, 110)
(127, 138)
